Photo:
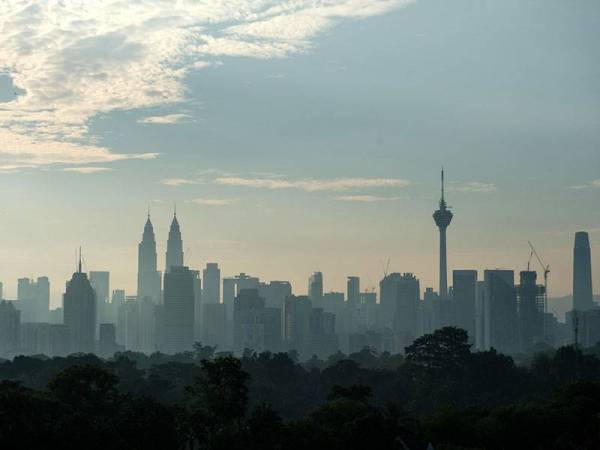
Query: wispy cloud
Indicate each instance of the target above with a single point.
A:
(86, 170)
(473, 186)
(311, 185)
(167, 119)
(365, 198)
(591, 185)
(70, 61)
(177, 181)
(213, 201)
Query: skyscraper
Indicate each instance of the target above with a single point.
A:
(582, 273)
(442, 218)
(79, 309)
(464, 284)
(100, 281)
(179, 310)
(211, 292)
(33, 299)
(531, 309)
(174, 257)
(399, 297)
(500, 311)
(315, 289)
(353, 291)
(148, 279)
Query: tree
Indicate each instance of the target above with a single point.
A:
(446, 350)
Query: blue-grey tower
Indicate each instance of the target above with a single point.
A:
(583, 297)
(148, 285)
(174, 256)
(443, 217)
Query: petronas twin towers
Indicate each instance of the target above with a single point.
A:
(149, 277)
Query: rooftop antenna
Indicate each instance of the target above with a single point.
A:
(79, 264)
(148, 210)
(174, 209)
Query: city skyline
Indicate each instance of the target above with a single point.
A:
(178, 239)
(295, 149)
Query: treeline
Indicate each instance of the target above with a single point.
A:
(440, 392)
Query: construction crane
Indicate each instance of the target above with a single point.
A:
(546, 269)
(386, 268)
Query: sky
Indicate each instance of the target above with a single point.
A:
(297, 136)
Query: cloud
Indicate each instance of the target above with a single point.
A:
(72, 60)
(473, 186)
(166, 119)
(177, 181)
(86, 170)
(365, 198)
(213, 201)
(591, 185)
(310, 185)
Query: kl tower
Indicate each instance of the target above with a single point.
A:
(442, 218)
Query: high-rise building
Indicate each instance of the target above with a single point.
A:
(197, 305)
(33, 299)
(79, 310)
(107, 344)
(464, 283)
(174, 256)
(583, 298)
(315, 289)
(10, 326)
(442, 218)
(399, 297)
(248, 321)
(100, 281)
(500, 311)
(211, 292)
(353, 292)
(530, 299)
(215, 325)
(178, 310)
(296, 324)
(148, 277)
(275, 293)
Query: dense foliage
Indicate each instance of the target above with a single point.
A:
(440, 393)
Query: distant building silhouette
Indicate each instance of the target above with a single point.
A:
(33, 299)
(399, 297)
(583, 298)
(464, 283)
(315, 288)
(211, 292)
(296, 324)
(174, 256)
(353, 292)
(107, 344)
(530, 297)
(79, 310)
(442, 218)
(100, 281)
(148, 277)
(500, 311)
(178, 310)
(10, 328)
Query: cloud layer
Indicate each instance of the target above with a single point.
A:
(311, 185)
(70, 60)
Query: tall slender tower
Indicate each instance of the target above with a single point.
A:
(174, 246)
(583, 298)
(148, 281)
(79, 311)
(442, 218)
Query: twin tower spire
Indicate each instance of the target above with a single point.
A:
(147, 254)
